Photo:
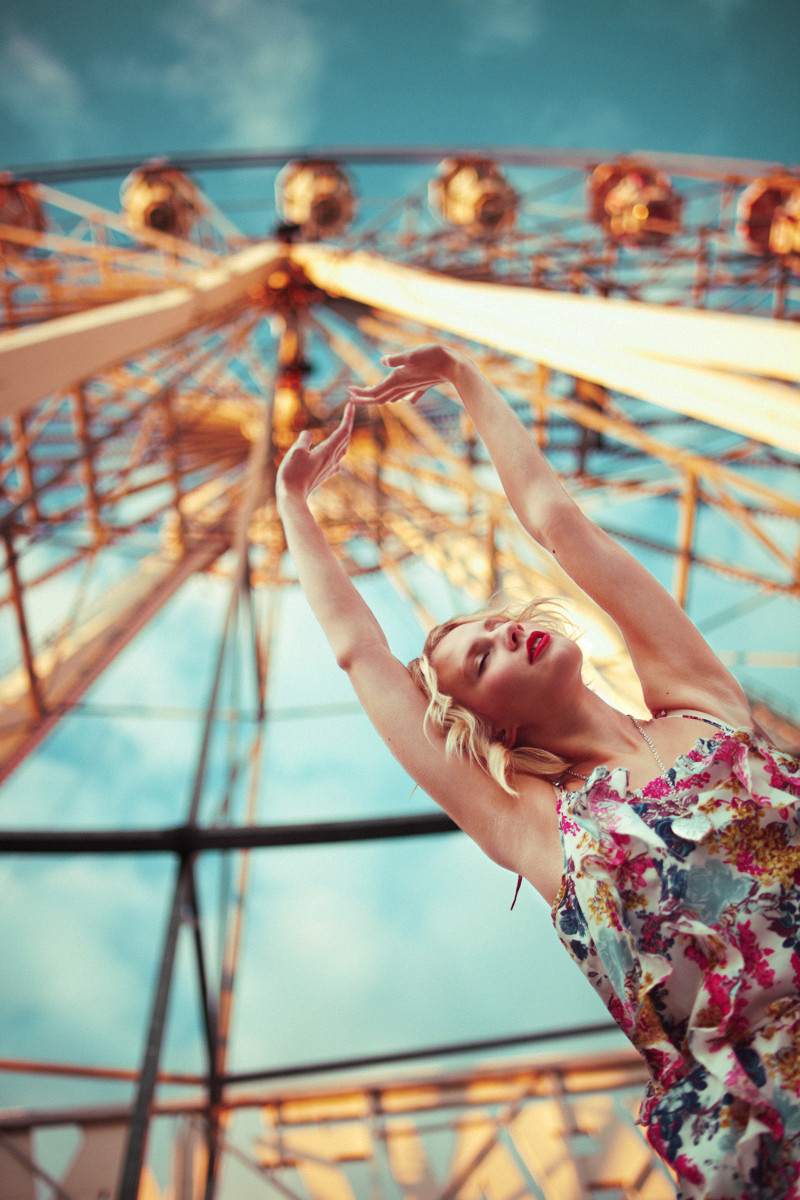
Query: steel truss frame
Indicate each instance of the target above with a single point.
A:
(161, 442)
(547, 1127)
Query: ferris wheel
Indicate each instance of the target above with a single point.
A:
(639, 311)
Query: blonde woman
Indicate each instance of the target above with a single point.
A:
(669, 850)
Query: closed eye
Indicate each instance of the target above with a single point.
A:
(482, 662)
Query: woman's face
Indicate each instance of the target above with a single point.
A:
(513, 674)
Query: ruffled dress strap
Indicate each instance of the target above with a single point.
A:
(694, 714)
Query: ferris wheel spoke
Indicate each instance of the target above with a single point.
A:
(160, 363)
(34, 700)
(58, 354)
(534, 325)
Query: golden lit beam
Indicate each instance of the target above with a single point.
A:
(96, 253)
(101, 218)
(61, 353)
(703, 364)
(699, 337)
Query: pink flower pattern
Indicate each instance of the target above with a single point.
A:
(690, 932)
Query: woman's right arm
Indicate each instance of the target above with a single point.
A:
(395, 706)
(533, 489)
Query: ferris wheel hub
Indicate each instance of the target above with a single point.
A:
(287, 290)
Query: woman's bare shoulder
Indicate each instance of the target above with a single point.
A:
(727, 705)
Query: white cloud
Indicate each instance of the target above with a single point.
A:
(498, 25)
(78, 955)
(239, 72)
(42, 94)
(363, 949)
(253, 67)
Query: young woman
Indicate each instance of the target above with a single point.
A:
(669, 850)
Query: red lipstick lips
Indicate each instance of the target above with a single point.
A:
(536, 644)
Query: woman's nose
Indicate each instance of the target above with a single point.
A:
(512, 634)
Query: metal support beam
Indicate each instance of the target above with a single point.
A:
(703, 364)
(140, 1117)
(61, 353)
(82, 436)
(37, 1172)
(688, 512)
(180, 910)
(253, 496)
(34, 690)
(23, 462)
(173, 461)
(187, 840)
(455, 1187)
(207, 1001)
(217, 1116)
(60, 682)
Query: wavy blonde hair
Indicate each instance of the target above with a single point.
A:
(465, 733)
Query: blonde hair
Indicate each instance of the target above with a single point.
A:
(466, 734)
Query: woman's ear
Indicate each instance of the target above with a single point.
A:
(508, 737)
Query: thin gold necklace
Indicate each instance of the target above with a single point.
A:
(655, 753)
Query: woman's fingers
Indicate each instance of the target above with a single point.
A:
(412, 372)
(301, 443)
(396, 387)
(335, 445)
(340, 438)
(407, 391)
(342, 430)
(347, 417)
(362, 389)
(402, 374)
(305, 466)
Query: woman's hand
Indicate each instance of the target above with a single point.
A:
(413, 372)
(305, 466)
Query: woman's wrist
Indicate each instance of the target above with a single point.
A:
(289, 500)
(462, 371)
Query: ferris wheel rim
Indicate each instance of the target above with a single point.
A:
(733, 170)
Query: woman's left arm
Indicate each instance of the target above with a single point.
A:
(675, 665)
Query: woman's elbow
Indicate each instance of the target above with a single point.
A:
(345, 658)
(355, 652)
(558, 522)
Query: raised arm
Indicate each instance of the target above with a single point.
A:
(395, 706)
(532, 487)
(676, 666)
(346, 620)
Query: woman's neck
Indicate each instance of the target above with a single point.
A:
(589, 732)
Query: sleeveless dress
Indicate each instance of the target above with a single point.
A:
(681, 904)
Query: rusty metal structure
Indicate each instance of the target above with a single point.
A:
(156, 361)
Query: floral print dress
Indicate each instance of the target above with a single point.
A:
(681, 904)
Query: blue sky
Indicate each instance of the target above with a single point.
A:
(86, 80)
(354, 950)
